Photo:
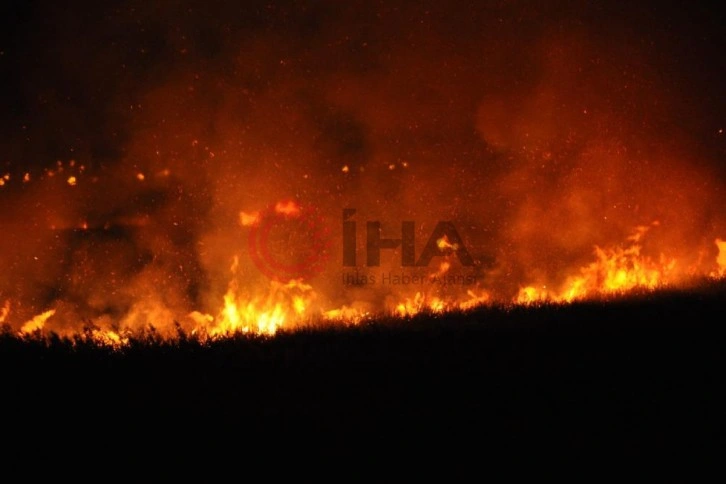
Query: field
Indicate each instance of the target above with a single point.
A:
(628, 375)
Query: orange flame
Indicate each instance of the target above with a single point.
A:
(265, 311)
(4, 311)
(615, 270)
(249, 219)
(443, 243)
(37, 322)
(283, 303)
(287, 208)
(721, 259)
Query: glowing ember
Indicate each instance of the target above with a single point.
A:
(443, 243)
(287, 208)
(249, 219)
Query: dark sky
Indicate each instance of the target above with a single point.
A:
(70, 71)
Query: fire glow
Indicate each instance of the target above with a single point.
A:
(614, 271)
(486, 167)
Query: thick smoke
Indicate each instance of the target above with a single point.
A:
(540, 132)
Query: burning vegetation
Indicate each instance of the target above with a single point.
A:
(231, 168)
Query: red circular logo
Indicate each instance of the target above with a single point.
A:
(289, 241)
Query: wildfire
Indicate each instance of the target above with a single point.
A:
(616, 270)
(265, 314)
(434, 304)
(346, 315)
(249, 219)
(721, 259)
(108, 338)
(288, 207)
(267, 308)
(419, 303)
(4, 311)
(276, 176)
(443, 243)
(37, 322)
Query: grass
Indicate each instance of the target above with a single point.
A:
(633, 374)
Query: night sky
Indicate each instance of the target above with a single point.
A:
(71, 73)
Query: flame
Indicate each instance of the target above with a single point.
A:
(474, 300)
(721, 259)
(443, 269)
(420, 303)
(267, 308)
(288, 207)
(283, 304)
(346, 314)
(108, 338)
(616, 270)
(443, 243)
(5, 311)
(37, 322)
(531, 294)
(249, 219)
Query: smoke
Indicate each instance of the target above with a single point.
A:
(539, 132)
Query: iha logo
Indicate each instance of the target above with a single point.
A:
(288, 241)
(291, 241)
(444, 240)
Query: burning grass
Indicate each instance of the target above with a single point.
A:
(638, 372)
(484, 317)
(643, 354)
(268, 306)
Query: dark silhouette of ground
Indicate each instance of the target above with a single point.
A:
(626, 376)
